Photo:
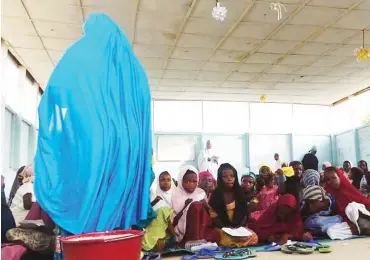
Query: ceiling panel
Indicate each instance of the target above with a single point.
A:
(151, 51)
(281, 47)
(24, 41)
(228, 56)
(253, 30)
(197, 41)
(53, 11)
(145, 36)
(334, 4)
(315, 48)
(177, 64)
(357, 20)
(295, 32)
(219, 66)
(240, 44)
(328, 61)
(13, 8)
(316, 16)
(296, 59)
(333, 35)
(191, 53)
(267, 58)
(306, 57)
(58, 30)
(24, 26)
(56, 44)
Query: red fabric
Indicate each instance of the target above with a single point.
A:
(36, 213)
(268, 224)
(199, 225)
(345, 194)
(208, 174)
(12, 251)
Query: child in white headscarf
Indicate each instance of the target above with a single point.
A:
(190, 201)
(158, 235)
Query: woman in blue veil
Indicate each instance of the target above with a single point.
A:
(93, 160)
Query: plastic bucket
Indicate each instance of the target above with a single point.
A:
(112, 245)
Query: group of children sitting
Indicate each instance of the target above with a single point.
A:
(272, 206)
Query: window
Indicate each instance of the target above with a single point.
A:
(177, 116)
(341, 117)
(311, 119)
(263, 147)
(11, 82)
(230, 149)
(9, 149)
(24, 143)
(360, 109)
(271, 118)
(225, 117)
(29, 105)
(176, 148)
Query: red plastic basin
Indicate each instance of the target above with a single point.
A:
(112, 245)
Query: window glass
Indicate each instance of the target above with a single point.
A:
(11, 82)
(24, 143)
(177, 116)
(271, 118)
(310, 119)
(225, 117)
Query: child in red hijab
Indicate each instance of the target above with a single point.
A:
(280, 222)
(339, 186)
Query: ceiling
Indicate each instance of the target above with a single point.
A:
(306, 57)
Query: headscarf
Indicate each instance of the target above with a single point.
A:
(217, 201)
(28, 174)
(156, 191)
(310, 161)
(208, 174)
(345, 194)
(24, 175)
(314, 193)
(327, 164)
(16, 184)
(94, 147)
(310, 178)
(268, 224)
(179, 195)
(249, 174)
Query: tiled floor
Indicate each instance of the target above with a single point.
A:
(342, 250)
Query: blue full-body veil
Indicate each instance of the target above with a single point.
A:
(93, 160)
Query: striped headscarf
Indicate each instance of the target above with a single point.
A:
(314, 192)
(310, 178)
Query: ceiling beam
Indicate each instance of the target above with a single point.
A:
(312, 36)
(178, 35)
(37, 33)
(136, 7)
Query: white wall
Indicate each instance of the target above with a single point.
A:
(18, 117)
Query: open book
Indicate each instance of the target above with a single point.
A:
(237, 232)
(32, 223)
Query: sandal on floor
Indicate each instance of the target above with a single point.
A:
(270, 248)
(236, 254)
(325, 250)
(293, 249)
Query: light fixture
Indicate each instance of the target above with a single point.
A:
(219, 12)
(362, 53)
